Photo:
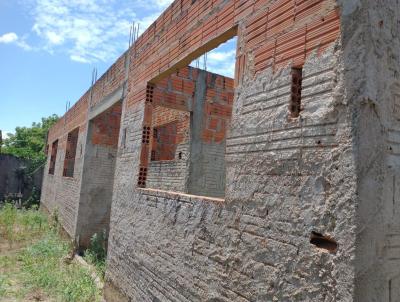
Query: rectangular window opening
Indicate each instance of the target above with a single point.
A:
(53, 157)
(184, 140)
(295, 101)
(70, 153)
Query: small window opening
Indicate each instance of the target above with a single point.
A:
(323, 242)
(123, 138)
(53, 157)
(295, 102)
(70, 153)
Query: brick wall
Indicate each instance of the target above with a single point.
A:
(106, 127)
(279, 185)
(218, 108)
(169, 129)
(61, 193)
(168, 166)
(249, 241)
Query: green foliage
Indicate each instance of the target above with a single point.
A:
(29, 142)
(44, 269)
(19, 225)
(96, 254)
(41, 263)
(54, 220)
(2, 286)
(8, 217)
(33, 199)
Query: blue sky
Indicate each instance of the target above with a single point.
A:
(48, 49)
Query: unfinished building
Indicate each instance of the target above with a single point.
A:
(282, 184)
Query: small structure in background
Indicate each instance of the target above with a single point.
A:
(16, 183)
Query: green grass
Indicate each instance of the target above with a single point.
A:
(37, 260)
(2, 286)
(45, 267)
(21, 225)
(96, 253)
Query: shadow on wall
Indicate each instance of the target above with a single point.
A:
(15, 182)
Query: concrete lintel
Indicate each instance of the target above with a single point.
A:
(107, 102)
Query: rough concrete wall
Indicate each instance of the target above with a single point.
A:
(286, 178)
(207, 176)
(10, 183)
(299, 171)
(371, 46)
(212, 111)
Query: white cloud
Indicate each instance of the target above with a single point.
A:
(221, 56)
(220, 60)
(90, 30)
(54, 38)
(78, 59)
(151, 4)
(12, 38)
(8, 38)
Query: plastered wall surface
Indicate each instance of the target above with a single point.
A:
(333, 170)
(372, 45)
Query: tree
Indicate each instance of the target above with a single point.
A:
(29, 142)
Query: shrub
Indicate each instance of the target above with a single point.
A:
(96, 254)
